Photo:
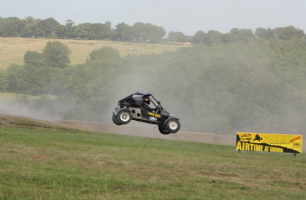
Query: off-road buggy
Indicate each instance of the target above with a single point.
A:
(137, 107)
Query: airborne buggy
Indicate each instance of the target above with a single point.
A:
(137, 107)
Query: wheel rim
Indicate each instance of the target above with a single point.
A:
(173, 125)
(124, 116)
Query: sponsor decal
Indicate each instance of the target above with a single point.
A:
(265, 142)
(154, 115)
(152, 118)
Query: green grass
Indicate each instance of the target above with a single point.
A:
(13, 49)
(7, 96)
(10, 97)
(41, 160)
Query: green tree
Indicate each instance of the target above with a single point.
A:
(122, 32)
(198, 37)
(243, 35)
(33, 58)
(79, 82)
(29, 19)
(87, 30)
(286, 33)
(69, 28)
(56, 54)
(105, 53)
(213, 37)
(3, 80)
(16, 79)
(2, 26)
(31, 28)
(34, 79)
(176, 37)
(48, 27)
(101, 31)
(264, 33)
(61, 31)
(146, 32)
(155, 33)
(108, 24)
(11, 27)
(78, 32)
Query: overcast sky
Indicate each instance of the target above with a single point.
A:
(187, 16)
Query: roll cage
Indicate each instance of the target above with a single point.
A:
(136, 99)
(155, 102)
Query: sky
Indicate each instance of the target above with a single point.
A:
(187, 16)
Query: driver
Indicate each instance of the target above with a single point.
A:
(146, 104)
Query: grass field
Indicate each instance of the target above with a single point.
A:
(41, 160)
(9, 97)
(13, 49)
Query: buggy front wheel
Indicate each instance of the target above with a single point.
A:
(115, 120)
(124, 116)
(173, 125)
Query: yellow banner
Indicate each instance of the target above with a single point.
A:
(266, 142)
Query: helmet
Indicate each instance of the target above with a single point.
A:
(146, 100)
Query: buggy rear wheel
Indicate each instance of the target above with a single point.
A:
(163, 131)
(115, 120)
(173, 125)
(124, 116)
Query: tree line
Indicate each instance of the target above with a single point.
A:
(139, 32)
(258, 86)
(50, 28)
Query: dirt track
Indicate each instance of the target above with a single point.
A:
(154, 133)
